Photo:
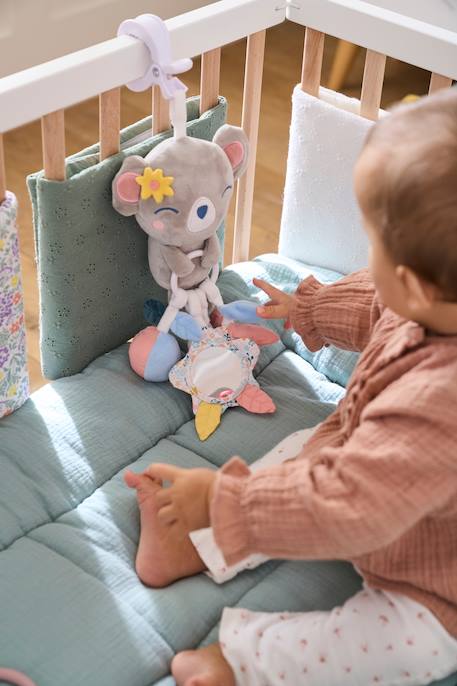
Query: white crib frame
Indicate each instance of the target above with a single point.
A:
(46, 90)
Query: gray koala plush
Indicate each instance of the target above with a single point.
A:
(179, 194)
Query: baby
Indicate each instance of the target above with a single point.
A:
(376, 483)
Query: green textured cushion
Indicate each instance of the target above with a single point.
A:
(92, 262)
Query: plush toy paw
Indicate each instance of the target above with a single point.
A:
(185, 326)
(243, 311)
(153, 353)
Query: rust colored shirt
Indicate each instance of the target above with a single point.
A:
(377, 482)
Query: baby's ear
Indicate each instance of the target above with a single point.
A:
(126, 191)
(234, 143)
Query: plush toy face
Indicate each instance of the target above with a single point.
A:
(181, 190)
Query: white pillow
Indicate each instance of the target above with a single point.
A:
(321, 222)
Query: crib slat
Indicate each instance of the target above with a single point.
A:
(209, 79)
(373, 79)
(53, 141)
(2, 171)
(160, 112)
(255, 51)
(109, 104)
(437, 81)
(313, 53)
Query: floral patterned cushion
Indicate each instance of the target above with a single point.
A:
(14, 383)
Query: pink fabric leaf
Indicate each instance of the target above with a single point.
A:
(253, 399)
(259, 334)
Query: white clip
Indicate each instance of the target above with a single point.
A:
(153, 32)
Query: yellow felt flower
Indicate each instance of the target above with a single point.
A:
(14, 281)
(2, 245)
(154, 183)
(12, 391)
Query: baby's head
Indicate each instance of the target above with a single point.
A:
(406, 185)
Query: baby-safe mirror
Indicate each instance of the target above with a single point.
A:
(217, 373)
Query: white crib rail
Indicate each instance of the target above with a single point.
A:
(32, 93)
(54, 85)
(381, 30)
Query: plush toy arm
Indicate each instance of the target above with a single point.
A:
(177, 261)
(211, 252)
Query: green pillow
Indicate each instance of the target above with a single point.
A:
(93, 270)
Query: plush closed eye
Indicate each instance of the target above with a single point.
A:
(163, 209)
(227, 188)
(201, 215)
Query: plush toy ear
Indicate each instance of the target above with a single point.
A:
(234, 143)
(126, 191)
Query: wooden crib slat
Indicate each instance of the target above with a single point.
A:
(109, 104)
(373, 79)
(255, 51)
(209, 79)
(437, 81)
(2, 171)
(160, 112)
(313, 53)
(53, 141)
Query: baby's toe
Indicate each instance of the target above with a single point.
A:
(131, 479)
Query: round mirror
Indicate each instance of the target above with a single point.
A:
(217, 373)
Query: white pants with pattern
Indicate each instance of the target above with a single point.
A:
(376, 637)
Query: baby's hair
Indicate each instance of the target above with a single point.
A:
(414, 198)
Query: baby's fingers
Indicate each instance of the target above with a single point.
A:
(272, 312)
(272, 291)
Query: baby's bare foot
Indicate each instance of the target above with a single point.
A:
(165, 553)
(204, 667)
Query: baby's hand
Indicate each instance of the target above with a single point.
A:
(278, 307)
(188, 498)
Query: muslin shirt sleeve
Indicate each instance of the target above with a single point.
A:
(343, 313)
(398, 465)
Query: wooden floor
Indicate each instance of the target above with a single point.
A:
(281, 73)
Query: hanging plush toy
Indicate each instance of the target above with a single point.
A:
(180, 193)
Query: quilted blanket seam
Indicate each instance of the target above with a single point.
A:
(118, 599)
(53, 520)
